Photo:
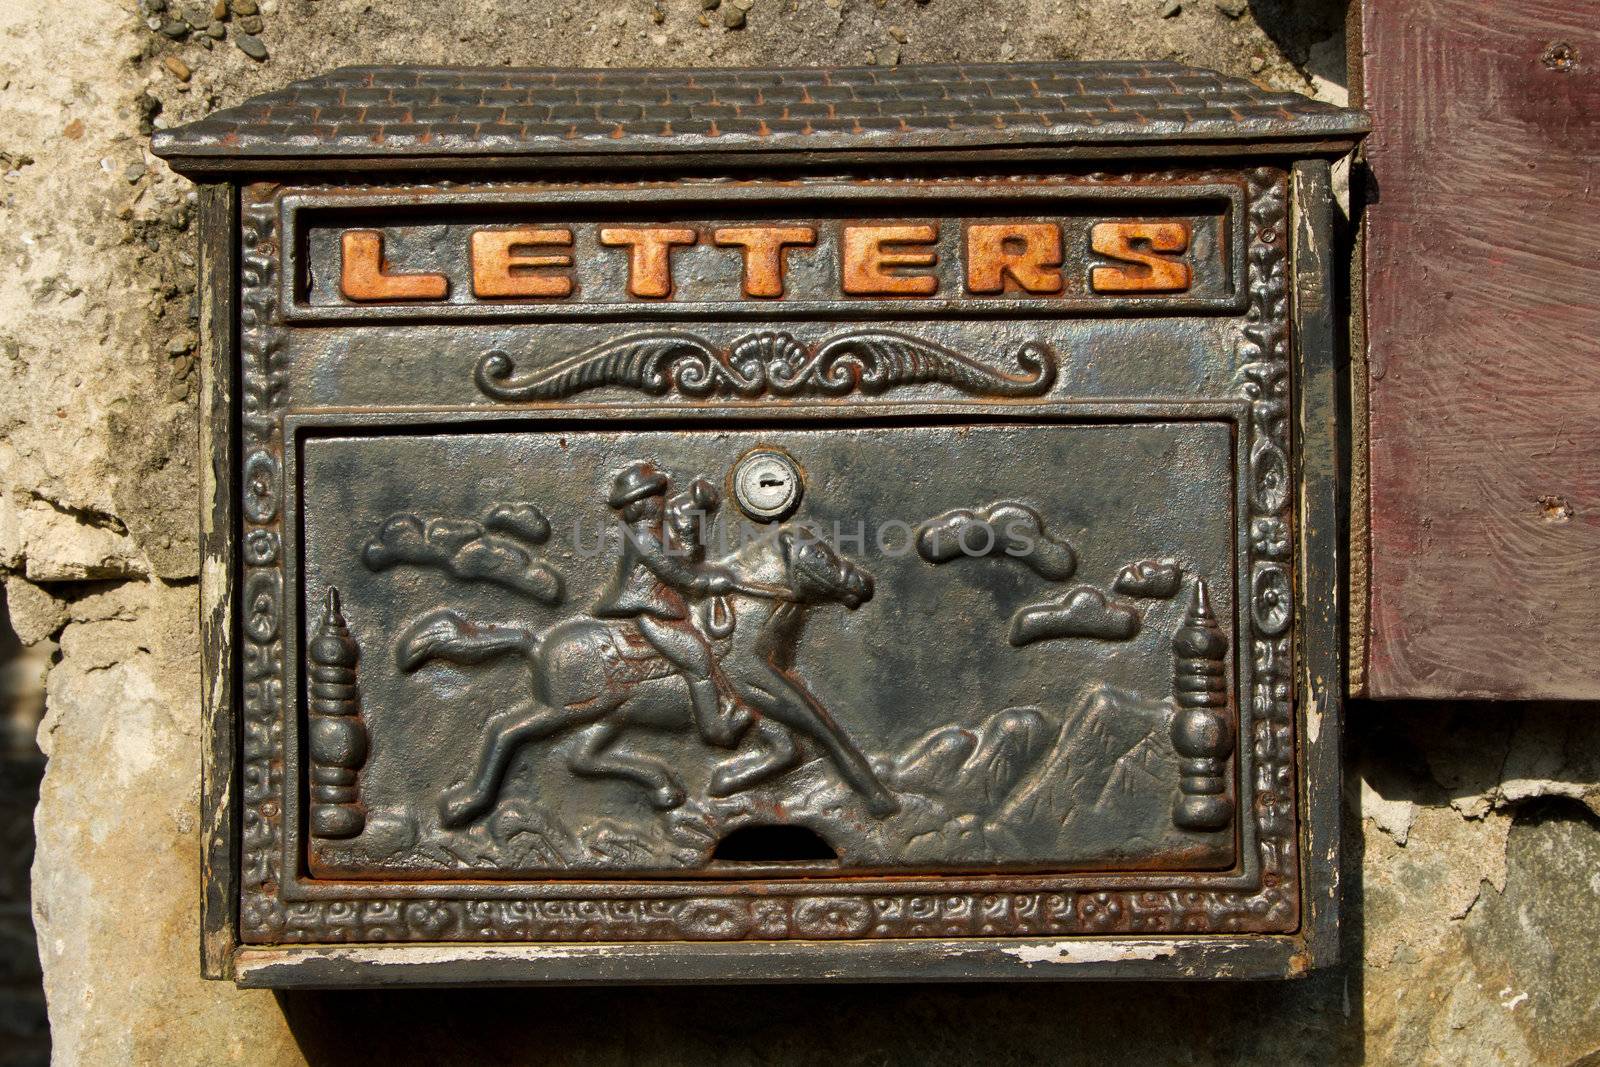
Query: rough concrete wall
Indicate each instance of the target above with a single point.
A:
(1474, 907)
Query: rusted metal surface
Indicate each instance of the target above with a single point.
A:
(846, 270)
(1483, 383)
(919, 562)
(392, 115)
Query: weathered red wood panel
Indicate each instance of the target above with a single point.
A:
(1482, 267)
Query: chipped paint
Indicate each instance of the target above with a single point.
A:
(213, 582)
(463, 954)
(262, 962)
(319, 966)
(1089, 951)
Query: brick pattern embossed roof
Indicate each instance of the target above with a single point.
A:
(395, 113)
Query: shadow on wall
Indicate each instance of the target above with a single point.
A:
(24, 1034)
(1065, 1023)
(1297, 26)
(1316, 1020)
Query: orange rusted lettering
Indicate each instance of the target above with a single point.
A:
(1029, 253)
(502, 264)
(649, 255)
(763, 248)
(365, 275)
(865, 259)
(1150, 270)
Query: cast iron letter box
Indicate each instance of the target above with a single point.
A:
(769, 525)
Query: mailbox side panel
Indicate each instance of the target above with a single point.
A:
(219, 854)
(1321, 431)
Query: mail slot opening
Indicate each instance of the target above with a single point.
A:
(774, 844)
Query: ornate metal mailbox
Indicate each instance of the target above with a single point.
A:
(769, 525)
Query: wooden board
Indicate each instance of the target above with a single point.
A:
(1482, 321)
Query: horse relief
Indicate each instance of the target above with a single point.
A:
(675, 642)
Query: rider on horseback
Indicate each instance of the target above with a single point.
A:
(748, 686)
(656, 581)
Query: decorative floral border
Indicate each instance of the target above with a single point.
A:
(1263, 378)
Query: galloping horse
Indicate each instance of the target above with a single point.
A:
(598, 674)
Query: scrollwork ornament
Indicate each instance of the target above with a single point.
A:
(262, 382)
(261, 340)
(1269, 477)
(428, 916)
(715, 920)
(825, 917)
(768, 363)
(261, 595)
(1269, 538)
(262, 473)
(1271, 600)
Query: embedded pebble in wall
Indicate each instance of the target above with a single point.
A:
(251, 46)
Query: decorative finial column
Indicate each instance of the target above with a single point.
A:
(1202, 729)
(338, 738)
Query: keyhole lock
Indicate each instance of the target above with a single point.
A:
(767, 484)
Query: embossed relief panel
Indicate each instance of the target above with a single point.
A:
(822, 562)
(974, 662)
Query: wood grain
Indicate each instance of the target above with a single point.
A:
(1482, 268)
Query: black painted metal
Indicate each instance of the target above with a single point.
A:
(957, 634)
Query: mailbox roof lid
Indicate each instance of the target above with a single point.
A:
(411, 117)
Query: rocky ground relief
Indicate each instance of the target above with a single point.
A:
(963, 791)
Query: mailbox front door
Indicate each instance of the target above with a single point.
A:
(783, 576)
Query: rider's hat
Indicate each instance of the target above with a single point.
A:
(637, 481)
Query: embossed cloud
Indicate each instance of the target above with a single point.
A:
(1154, 579)
(1084, 612)
(1006, 528)
(466, 549)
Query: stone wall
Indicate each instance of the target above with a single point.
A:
(1474, 907)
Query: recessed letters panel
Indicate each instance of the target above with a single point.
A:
(753, 249)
